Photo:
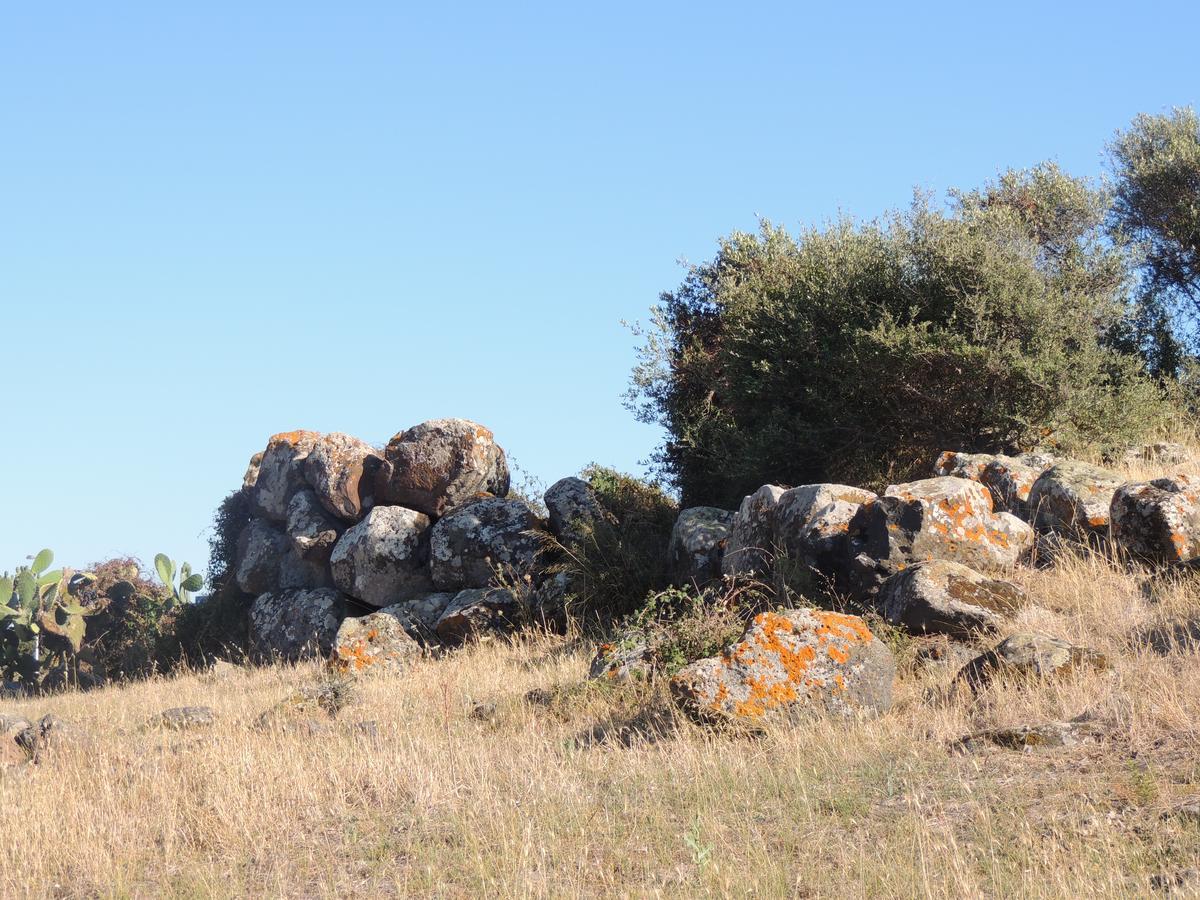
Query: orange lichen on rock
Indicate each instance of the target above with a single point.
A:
(784, 658)
(294, 438)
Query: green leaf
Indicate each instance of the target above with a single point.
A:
(26, 588)
(6, 590)
(192, 583)
(165, 568)
(50, 578)
(42, 561)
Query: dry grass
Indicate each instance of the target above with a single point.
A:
(596, 791)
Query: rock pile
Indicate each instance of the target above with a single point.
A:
(345, 536)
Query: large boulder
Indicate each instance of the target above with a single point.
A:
(957, 464)
(812, 524)
(260, 551)
(373, 643)
(750, 547)
(1030, 654)
(1074, 497)
(383, 559)
(789, 665)
(1010, 480)
(439, 464)
(944, 597)
(573, 509)
(698, 543)
(478, 613)
(310, 529)
(1158, 520)
(295, 624)
(939, 518)
(467, 546)
(343, 471)
(420, 616)
(281, 473)
(297, 572)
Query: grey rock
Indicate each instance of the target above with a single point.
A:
(698, 543)
(1074, 497)
(812, 524)
(1158, 520)
(343, 473)
(790, 665)
(281, 473)
(310, 529)
(440, 464)
(180, 718)
(939, 518)
(261, 549)
(373, 643)
(573, 510)
(382, 560)
(1030, 654)
(477, 613)
(468, 545)
(750, 547)
(295, 624)
(944, 597)
(628, 658)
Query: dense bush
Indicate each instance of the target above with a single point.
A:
(216, 626)
(135, 625)
(855, 352)
(621, 559)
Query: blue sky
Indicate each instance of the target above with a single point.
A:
(223, 220)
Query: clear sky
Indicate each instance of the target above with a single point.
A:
(222, 220)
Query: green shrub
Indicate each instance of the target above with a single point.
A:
(622, 559)
(215, 627)
(856, 352)
(126, 637)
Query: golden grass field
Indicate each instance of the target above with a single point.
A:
(598, 790)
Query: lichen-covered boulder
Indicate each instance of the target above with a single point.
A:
(549, 601)
(1010, 480)
(788, 665)
(297, 572)
(628, 658)
(343, 471)
(419, 617)
(480, 612)
(260, 552)
(750, 547)
(373, 643)
(382, 560)
(467, 546)
(956, 464)
(295, 624)
(573, 509)
(1161, 452)
(281, 473)
(439, 464)
(311, 530)
(698, 543)
(812, 524)
(1030, 653)
(939, 518)
(944, 597)
(1158, 520)
(1074, 497)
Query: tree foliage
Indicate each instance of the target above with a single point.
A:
(855, 351)
(1156, 162)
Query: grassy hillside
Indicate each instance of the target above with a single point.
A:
(470, 787)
